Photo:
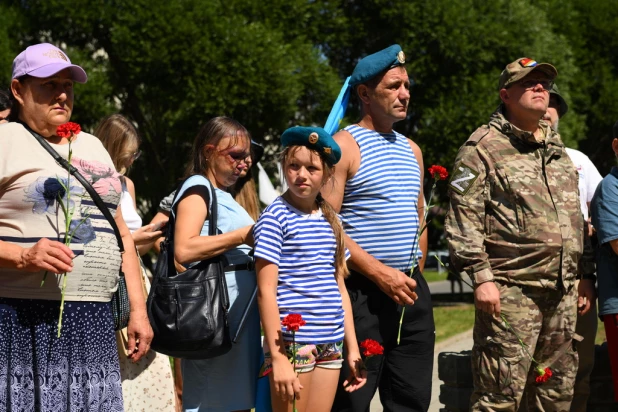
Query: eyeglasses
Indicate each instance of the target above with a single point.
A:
(237, 157)
(531, 84)
(136, 155)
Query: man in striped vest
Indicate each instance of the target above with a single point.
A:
(378, 191)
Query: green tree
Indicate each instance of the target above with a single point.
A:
(589, 28)
(172, 65)
(455, 52)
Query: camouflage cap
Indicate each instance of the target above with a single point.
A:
(520, 68)
(564, 107)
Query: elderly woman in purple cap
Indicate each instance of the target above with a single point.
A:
(59, 256)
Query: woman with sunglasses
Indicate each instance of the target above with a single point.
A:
(245, 194)
(228, 382)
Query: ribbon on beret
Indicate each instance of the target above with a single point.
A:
(339, 108)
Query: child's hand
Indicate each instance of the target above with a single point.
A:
(358, 372)
(287, 384)
(146, 234)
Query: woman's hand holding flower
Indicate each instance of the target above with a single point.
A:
(48, 255)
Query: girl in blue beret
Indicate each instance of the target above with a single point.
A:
(301, 266)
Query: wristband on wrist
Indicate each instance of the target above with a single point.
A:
(590, 276)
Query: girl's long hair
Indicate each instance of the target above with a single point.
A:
(341, 269)
(120, 139)
(245, 194)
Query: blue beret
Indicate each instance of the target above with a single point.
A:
(314, 138)
(374, 64)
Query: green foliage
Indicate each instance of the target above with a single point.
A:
(455, 53)
(171, 65)
(589, 27)
(12, 29)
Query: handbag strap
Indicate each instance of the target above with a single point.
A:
(211, 205)
(75, 173)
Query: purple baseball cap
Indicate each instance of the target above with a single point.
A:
(45, 60)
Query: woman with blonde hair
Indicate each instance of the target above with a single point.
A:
(245, 190)
(147, 384)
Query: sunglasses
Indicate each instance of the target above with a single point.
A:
(136, 155)
(236, 157)
(531, 84)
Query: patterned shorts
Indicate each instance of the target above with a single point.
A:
(308, 356)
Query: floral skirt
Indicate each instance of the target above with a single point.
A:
(148, 384)
(41, 372)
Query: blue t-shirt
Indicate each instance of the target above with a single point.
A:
(303, 247)
(230, 216)
(604, 211)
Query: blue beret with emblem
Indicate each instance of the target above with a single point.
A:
(374, 64)
(314, 138)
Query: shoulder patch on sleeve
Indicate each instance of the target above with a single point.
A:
(478, 135)
(462, 178)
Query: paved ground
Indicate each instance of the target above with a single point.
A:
(444, 286)
(456, 343)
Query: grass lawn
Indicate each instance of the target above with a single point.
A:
(600, 338)
(433, 276)
(452, 320)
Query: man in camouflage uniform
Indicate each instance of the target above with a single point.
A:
(516, 228)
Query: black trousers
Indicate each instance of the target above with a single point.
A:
(404, 373)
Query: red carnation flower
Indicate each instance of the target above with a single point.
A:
(68, 129)
(438, 172)
(293, 322)
(543, 374)
(371, 348)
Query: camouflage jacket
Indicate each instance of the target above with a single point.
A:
(514, 208)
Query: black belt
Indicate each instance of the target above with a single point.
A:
(241, 266)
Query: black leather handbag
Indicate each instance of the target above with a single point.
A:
(120, 298)
(188, 311)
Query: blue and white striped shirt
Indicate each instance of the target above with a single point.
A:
(303, 247)
(379, 209)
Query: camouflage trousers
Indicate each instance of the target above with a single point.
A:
(545, 321)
